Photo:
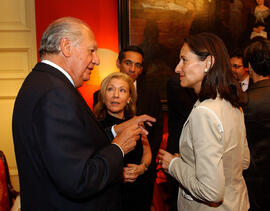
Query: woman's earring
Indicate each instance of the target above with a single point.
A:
(205, 70)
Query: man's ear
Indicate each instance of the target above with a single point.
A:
(65, 47)
(246, 69)
(118, 63)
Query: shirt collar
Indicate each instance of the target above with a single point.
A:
(135, 84)
(244, 84)
(245, 81)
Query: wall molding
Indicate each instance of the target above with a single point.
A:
(19, 20)
(11, 70)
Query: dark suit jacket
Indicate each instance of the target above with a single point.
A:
(149, 103)
(250, 82)
(180, 103)
(65, 159)
(257, 120)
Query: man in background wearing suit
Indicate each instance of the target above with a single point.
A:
(240, 69)
(130, 61)
(66, 161)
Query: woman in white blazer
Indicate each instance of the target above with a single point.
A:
(213, 145)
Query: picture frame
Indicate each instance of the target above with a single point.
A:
(160, 26)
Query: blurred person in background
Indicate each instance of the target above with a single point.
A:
(257, 119)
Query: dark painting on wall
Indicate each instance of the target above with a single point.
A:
(160, 26)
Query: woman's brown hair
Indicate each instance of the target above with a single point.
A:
(219, 78)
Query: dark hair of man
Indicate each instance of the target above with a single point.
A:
(219, 78)
(257, 54)
(133, 48)
(239, 53)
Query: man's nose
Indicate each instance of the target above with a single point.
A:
(234, 69)
(132, 67)
(95, 59)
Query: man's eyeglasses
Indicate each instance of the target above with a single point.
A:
(131, 63)
(236, 66)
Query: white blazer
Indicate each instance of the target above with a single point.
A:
(213, 154)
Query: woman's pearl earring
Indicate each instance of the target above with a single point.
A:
(205, 70)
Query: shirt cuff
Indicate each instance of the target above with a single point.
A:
(120, 149)
(170, 164)
(113, 132)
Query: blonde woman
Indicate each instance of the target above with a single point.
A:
(116, 104)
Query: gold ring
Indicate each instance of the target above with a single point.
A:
(159, 161)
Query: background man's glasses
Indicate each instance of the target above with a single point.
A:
(236, 66)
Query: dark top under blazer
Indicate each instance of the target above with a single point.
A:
(132, 193)
(65, 159)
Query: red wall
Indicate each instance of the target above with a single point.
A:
(101, 15)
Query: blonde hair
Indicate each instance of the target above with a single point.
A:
(100, 110)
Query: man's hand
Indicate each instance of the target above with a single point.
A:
(126, 140)
(137, 121)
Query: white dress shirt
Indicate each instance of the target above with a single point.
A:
(244, 84)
